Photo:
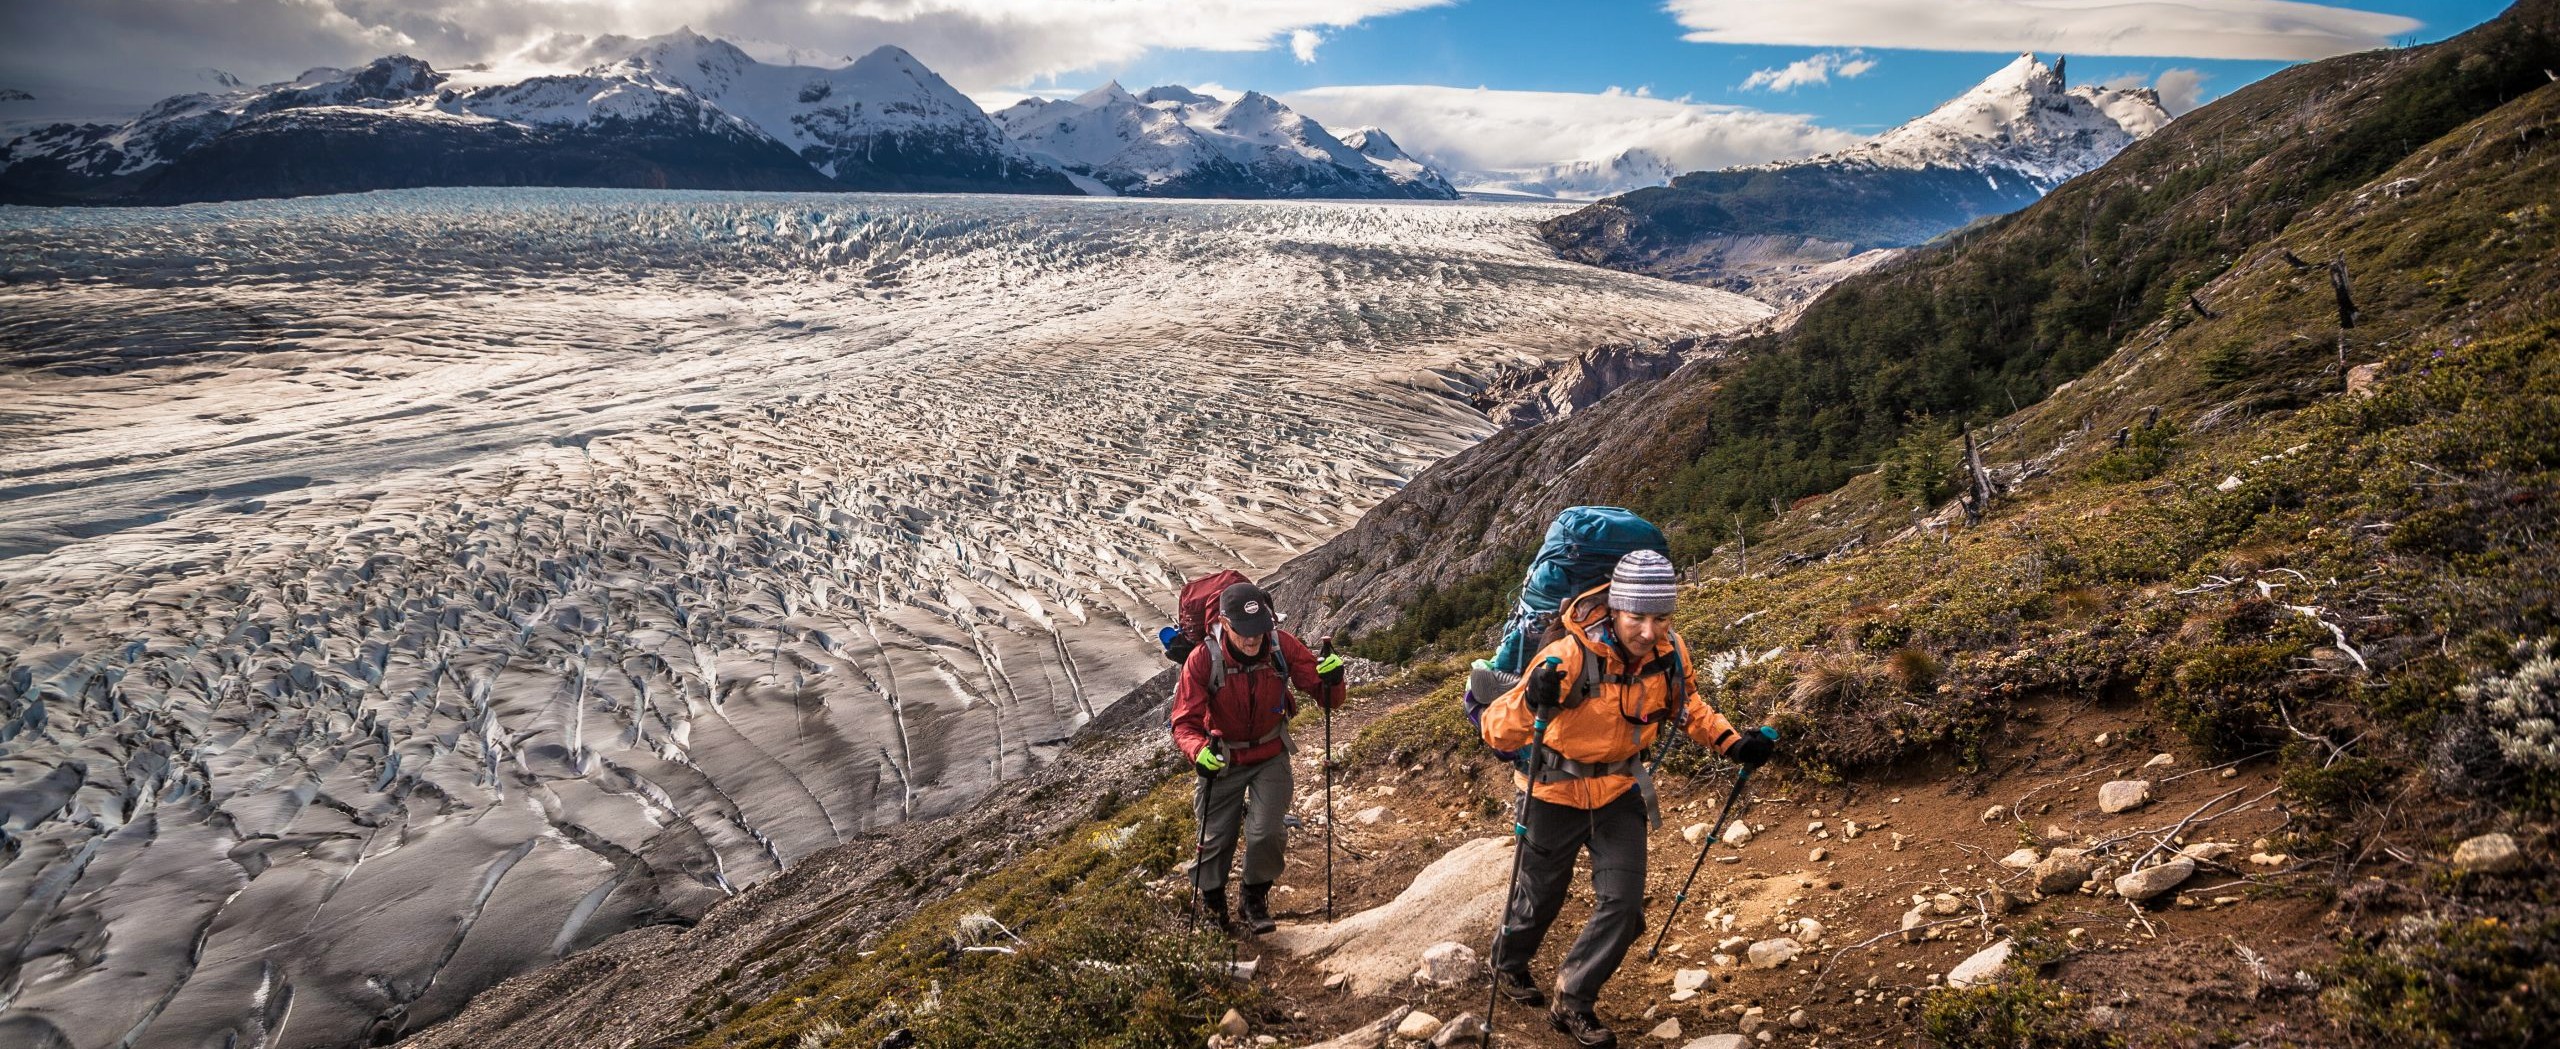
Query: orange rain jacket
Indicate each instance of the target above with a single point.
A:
(1619, 721)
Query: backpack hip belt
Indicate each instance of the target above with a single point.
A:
(1226, 750)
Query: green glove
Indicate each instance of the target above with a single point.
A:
(1329, 669)
(1209, 761)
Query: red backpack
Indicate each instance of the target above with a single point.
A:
(1198, 606)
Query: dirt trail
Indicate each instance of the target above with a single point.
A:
(2181, 963)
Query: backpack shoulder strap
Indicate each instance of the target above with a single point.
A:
(1217, 642)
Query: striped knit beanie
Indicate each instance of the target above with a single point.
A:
(1643, 583)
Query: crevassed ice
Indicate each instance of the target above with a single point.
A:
(400, 590)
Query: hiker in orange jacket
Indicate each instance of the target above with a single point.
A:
(1620, 671)
(1231, 715)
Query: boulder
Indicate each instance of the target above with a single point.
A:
(2124, 795)
(2489, 854)
(1372, 1036)
(1447, 963)
(2154, 880)
(1418, 1026)
(1983, 967)
(2062, 870)
(1770, 954)
(1456, 899)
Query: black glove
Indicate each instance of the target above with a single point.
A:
(1754, 747)
(1546, 691)
(1179, 649)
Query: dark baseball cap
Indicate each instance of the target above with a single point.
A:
(1246, 608)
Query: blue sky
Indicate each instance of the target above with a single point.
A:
(1633, 44)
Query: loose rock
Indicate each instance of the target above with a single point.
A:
(1232, 1025)
(1983, 967)
(2152, 881)
(1370, 815)
(2208, 851)
(1467, 1029)
(2124, 795)
(2489, 854)
(1720, 1041)
(1770, 954)
(1665, 1031)
(2062, 870)
(1995, 814)
(1369, 1037)
(1446, 964)
(1738, 835)
(1690, 979)
(1754, 1019)
(2023, 859)
(1693, 832)
(2158, 760)
(1418, 1026)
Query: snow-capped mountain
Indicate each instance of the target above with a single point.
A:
(2020, 120)
(883, 122)
(1783, 230)
(1382, 150)
(678, 111)
(1632, 169)
(1172, 141)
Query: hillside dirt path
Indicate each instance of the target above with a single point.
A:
(2179, 964)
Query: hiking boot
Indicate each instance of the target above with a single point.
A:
(1583, 1027)
(1518, 987)
(1211, 904)
(1256, 908)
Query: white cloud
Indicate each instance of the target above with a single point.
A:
(1478, 129)
(972, 43)
(2181, 90)
(2260, 29)
(1811, 69)
(1302, 43)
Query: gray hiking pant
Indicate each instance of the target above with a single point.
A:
(1557, 833)
(1255, 797)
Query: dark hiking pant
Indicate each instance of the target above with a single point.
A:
(1615, 835)
(1255, 797)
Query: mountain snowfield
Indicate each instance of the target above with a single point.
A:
(402, 590)
(1784, 231)
(2021, 121)
(1172, 141)
(1575, 179)
(684, 110)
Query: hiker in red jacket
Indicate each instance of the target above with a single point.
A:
(1231, 718)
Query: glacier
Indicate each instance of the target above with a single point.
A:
(399, 591)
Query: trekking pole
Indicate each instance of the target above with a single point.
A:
(1715, 833)
(1519, 846)
(1328, 793)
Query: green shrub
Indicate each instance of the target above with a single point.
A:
(2482, 982)
(2146, 451)
(2019, 1011)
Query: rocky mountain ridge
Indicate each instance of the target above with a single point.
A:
(1991, 150)
(682, 110)
(1175, 142)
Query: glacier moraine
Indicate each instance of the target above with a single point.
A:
(398, 591)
